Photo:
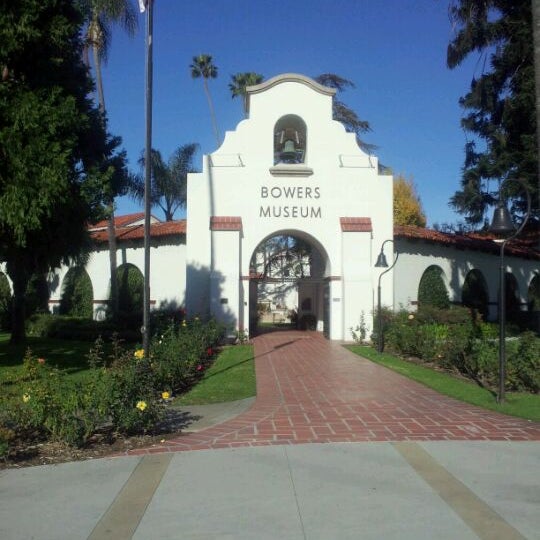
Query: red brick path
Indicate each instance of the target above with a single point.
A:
(312, 390)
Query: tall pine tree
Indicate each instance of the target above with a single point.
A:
(499, 109)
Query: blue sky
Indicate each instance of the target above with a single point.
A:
(393, 50)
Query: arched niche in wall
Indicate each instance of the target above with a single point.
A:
(290, 140)
(474, 293)
(533, 294)
(512, 296)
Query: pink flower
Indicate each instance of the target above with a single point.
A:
(41, 361)
(200, 367)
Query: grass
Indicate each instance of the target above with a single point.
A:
(68, 355)
(521, 404)
(231, 377)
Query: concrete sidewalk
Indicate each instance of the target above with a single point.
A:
(380, 490)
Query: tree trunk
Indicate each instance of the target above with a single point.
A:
(111, 231)
(19, 276)
(212, 112)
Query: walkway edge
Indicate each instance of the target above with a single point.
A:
(480, 517)
(125, 513)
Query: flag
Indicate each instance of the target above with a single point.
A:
(142, 5)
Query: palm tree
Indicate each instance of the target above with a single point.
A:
(203, 67)
(240, 82)
(169, 180)
(100, 15)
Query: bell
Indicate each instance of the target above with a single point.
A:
(381, 261)
(502, 223)
(288, 154)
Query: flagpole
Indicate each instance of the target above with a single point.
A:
(149, 4)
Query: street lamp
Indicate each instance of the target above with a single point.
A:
(382, 263)
(503, 225)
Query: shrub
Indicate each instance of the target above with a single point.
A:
(526, 362)
(181, 353)
(130, 289)
(77, 294)
(432, 290)
(402, 334)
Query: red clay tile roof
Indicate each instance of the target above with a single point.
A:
(119, 221)
(225, 223)
(355, 224)
(474, 241)
(162, 229)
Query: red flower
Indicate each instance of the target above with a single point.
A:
(200, 367)
(209, 351)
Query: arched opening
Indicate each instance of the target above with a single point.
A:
(77, 294)
(287, 284)
(533, 294)
(130, 289)
(432, 290)
(290, 136)
(512, 297)
(475, 293)
(5, 302)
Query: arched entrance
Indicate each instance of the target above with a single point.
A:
(288, 285)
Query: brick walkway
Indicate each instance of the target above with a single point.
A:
(312, 390)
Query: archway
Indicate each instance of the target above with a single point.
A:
(533, 294)
(475, 293)
(287, 283)
(512, 297)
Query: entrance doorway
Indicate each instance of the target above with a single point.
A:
(287, 284)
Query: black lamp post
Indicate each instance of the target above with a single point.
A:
(382, 263)
(503, 225)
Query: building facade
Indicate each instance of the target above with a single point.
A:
(290, 171)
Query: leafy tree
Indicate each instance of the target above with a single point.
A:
(51, 144)
(407, 206)
(169, 180)
(100, 15)
(204, 68)
(342, 113)
(240, 82)
(500, 105)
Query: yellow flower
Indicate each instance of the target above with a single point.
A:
(141, 405)
(411, 317)
(26, 398)
(139, 354)
(165, 395)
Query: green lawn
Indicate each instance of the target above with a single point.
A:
(522, 404)
(231, 377)
(68, 355)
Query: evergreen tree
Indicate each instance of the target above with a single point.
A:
(500, 105)
(52, 143)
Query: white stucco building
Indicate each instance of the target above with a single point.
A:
(289, 169)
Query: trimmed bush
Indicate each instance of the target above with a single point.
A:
(130, 289)
(432, 290)
(77, 294)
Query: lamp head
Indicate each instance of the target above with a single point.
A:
(381, 261)
(502, 224)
